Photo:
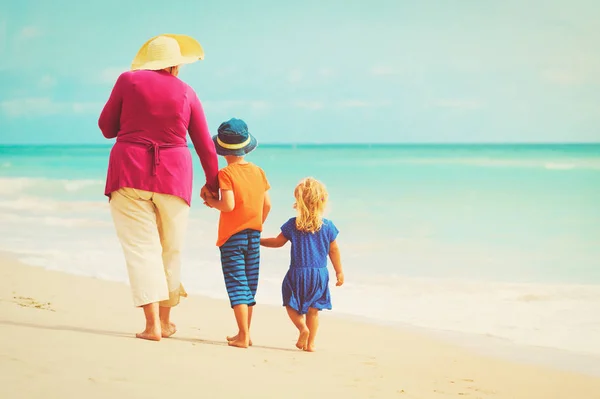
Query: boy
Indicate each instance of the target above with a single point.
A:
(244, 206)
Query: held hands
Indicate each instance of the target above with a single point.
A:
(206, 194)
(340, 279)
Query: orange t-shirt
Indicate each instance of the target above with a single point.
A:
(249, 185)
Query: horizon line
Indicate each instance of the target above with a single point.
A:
(332, 144)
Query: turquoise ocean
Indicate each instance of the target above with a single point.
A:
(500, 241)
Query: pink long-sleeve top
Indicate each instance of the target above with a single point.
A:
(150, 112)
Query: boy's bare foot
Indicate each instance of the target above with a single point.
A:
(238, 343)
(151, 334)
(168, 330)
(235, 337)
(309, 348)
(303, 339)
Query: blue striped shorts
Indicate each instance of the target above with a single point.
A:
(240, 258)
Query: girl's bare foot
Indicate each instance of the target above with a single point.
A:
(309, 348)
(151, 334)
(238, 343)
(303, 338)
(168, 330)
(235, 337)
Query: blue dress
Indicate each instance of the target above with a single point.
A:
(306, 283)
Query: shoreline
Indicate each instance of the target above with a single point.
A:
(73, 335)
(486, 345)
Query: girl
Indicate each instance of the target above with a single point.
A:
(305, 287)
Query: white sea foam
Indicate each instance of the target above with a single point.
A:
(528, 163)
(39, 204)
(553, 316)
(592, 164)
(559, 166)
(47, 187)
(52, 221)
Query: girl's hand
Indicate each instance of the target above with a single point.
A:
(275, 242)
(340, 279)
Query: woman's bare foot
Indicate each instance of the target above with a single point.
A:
(235, 337)
(303, 339)
(238, 343)
(309, 348)
(168, 330)
(151, 334)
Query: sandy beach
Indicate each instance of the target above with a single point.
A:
(65, 336)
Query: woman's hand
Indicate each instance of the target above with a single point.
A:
(206, 192)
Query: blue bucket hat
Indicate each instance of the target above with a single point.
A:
(233, 138)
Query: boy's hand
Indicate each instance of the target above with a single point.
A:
(209, 202)
(340, 279)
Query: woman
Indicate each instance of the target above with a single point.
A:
(149, 180)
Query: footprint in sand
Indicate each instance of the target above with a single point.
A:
(28, 302)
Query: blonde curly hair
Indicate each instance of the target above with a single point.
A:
(311, 198)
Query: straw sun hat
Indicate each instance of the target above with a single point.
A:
(166, 51)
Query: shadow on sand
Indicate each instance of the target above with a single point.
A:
(128, 335)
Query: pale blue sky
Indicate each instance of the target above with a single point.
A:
(317, 71)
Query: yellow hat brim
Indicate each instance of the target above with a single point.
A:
(191, 51)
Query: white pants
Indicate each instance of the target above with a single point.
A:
(151, 228)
